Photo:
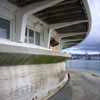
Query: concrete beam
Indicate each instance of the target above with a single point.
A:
(66, 24)
(69, 45)
(36, 7)
(71, 40)
(58, 14)
(65, 45)
(23, 13)
(41, 14)
(71, 1)
(71, 34)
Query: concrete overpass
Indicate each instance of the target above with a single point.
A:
(66, 17)
(92, 42)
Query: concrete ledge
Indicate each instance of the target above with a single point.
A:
(12, 53)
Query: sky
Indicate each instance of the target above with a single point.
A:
(92, 41)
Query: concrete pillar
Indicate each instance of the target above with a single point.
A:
(23, 13)
(49, 37)
(21, 22)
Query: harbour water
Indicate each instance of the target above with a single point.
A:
(84, 65)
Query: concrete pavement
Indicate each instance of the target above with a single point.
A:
(82, 86)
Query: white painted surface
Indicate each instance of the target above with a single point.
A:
(18, 23)
(27, 45)
(28, 81)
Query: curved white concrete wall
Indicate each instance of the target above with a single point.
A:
(25, 82)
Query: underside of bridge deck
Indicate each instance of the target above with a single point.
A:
(68, 16)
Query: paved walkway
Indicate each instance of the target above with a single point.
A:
(82, 86)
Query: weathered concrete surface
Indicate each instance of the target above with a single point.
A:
(82, 86)
(25, 82)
